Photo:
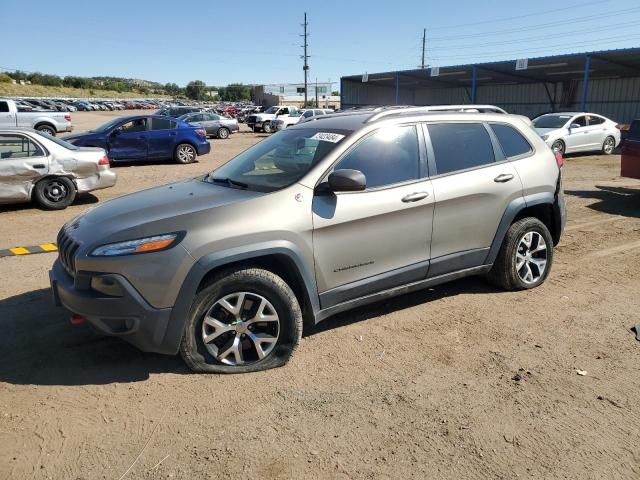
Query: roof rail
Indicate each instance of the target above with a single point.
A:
(383, 112)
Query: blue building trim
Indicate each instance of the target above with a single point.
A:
(585, 83)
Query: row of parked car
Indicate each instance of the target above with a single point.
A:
(68, 105)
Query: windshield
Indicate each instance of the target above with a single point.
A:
(280, 160)
(107, 126)
(62, 143)
(551, 121)
(271, 110)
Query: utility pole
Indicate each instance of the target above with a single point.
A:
(305, 57)
(317, 105)
(424, 42)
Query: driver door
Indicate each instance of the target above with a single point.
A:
(379, 238)
(129, 141)
(577, 138)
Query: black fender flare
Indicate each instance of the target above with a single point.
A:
(178, 319)
(510, 213)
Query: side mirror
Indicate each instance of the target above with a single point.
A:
(347, 180)
(574, 125)
(116, 131)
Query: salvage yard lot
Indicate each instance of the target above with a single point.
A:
(458, 381)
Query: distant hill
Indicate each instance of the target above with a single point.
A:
(11, 90)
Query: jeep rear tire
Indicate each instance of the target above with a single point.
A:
(525, 257)
(242, 321)
(266, 127)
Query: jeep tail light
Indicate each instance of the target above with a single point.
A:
(559, 158)
(201, 132)
(104, 161)
(67, 117)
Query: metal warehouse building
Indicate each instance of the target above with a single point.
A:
(605, 82)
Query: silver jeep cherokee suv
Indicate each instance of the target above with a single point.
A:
(319, 218)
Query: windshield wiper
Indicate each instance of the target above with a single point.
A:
(229, 182)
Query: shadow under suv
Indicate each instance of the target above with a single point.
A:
(319, 218)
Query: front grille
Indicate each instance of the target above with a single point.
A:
(67, 249)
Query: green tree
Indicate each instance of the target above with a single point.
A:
(196, 90)
(172, 89)
(4, 78)
(335, 93)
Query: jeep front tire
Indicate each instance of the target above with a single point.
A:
(242, 321)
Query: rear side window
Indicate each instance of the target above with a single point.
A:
(161, 124)
(511, 140)
(634, 131)
(460, 146)
(4, 107)
(388, 156)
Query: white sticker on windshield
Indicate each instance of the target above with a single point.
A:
(328, 137)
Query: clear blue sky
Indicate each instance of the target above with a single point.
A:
(258, 42)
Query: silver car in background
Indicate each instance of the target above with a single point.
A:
(215, 125)
(572, 132)
(36, 166)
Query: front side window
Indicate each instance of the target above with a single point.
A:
(388, 156)
(580, 121)
(308, 114)
(460, 146)
(137, 125)
(284, 111)
(4, 107)
(512, 142)
(278, 161)
(18, 146)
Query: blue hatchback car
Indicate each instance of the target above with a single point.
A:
(146, 137)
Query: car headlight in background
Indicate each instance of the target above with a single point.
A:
(545, 137)
(141, 245)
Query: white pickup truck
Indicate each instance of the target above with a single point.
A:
(262, 121)
(43, 121)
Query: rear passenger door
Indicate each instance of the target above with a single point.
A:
(473, 183)
(22, 164)
(162, 138)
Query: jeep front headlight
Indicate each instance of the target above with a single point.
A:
(140, 245)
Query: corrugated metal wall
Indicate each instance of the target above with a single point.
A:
(618, 99)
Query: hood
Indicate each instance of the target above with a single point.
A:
(546, 131)
(158, 210)
(81, 136)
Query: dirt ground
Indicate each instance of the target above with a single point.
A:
(458, 381)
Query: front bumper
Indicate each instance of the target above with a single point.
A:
(130, 316)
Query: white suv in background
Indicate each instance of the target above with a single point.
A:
(571, 132)
(300, 116)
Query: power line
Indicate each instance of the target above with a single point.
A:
(504, 19)
(542, 37)
(537, 27)
(545, 48)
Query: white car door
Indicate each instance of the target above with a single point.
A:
(577, 139)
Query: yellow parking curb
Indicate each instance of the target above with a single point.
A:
(19, 251)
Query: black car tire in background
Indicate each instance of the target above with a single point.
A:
(54, 193)
(223, 133)
(46, 128)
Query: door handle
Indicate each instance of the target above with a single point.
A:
(39, 165)
(415, 197)
(503, 178)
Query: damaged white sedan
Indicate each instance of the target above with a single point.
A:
(36, 166)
